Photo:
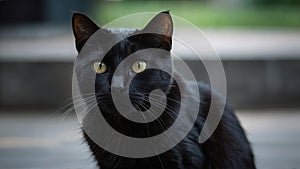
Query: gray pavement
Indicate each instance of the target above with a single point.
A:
(34, 141)
(42, 140)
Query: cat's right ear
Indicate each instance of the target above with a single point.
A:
(83, 29)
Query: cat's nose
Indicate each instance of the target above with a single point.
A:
(119, 83)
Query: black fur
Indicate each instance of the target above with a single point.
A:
(227, 148)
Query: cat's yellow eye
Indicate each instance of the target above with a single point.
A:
(139, 66)
(100, 67)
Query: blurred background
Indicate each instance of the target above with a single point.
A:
(258, 42)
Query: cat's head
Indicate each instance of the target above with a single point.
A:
(157, 34)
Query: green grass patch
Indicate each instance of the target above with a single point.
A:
(205, 15)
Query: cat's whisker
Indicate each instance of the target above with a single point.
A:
(172, 113)
(173, 100)
(66, 113)
(148, 129)
(71, 103)
(90, 107)
(160, 122)
(74, 100)
(161, 163)
(79, 102)
(80, 96)
(163, 126)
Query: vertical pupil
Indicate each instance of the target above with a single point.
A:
(100, 65)
(139, 65)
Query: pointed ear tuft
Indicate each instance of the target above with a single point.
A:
(166, 12)
(83, 28)
(161, 24)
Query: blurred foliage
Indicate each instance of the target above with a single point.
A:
(206, 14)
(277, 2)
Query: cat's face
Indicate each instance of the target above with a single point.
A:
(144, 80)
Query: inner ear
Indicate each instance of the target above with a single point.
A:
(83, 28)
(161, 24)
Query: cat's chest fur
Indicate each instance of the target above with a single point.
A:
(187, 154)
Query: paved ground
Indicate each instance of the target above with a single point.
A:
(41, 140)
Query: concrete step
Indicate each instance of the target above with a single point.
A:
(262, 66)
(251, 84)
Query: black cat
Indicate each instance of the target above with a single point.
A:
(227, 148)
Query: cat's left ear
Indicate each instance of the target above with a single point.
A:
(161, 24)
(83, 29)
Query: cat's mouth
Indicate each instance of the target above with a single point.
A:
(139, 102)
